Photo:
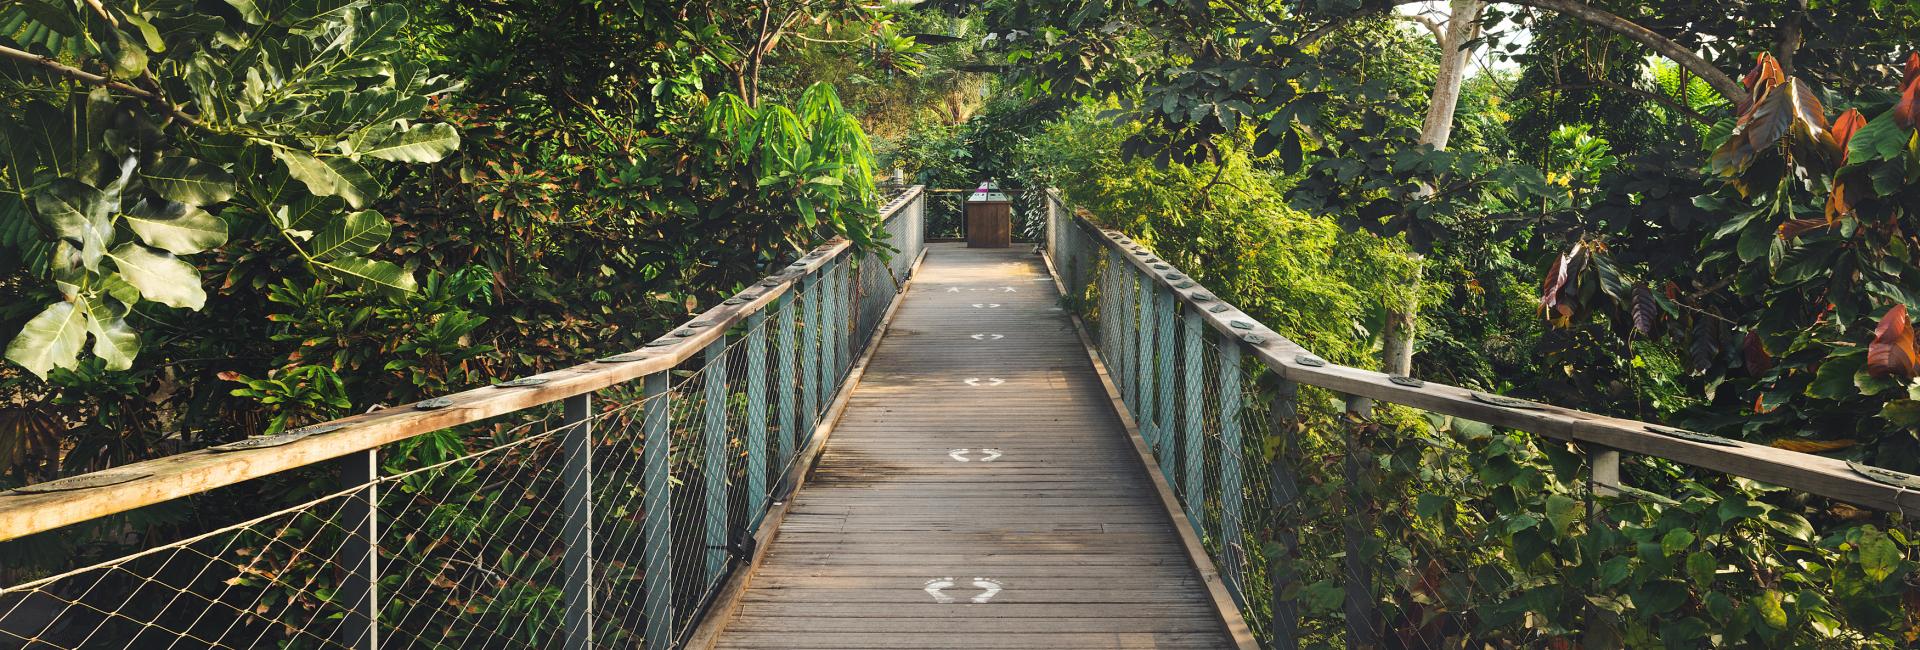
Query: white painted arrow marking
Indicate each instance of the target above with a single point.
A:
(965, 455)
(1010, 289)
(991, 586)
(986, 305)
(934, 586)
(988, 337)
(991, 381)
(953, 289)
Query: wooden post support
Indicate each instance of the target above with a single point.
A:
(1284, 420)
(1233, 538)
(713, 466)
(1144, 401)
(656, 512)
(1193, 434)
(1603, 470)
(787, 379)
(359, 555)
(576, 528)
(1163, 364)
(810, 350)
(756, 418)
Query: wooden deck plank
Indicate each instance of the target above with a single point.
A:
(1062, 533)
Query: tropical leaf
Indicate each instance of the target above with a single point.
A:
(360, 272)
(331, 177)
(177, 228)
(159, 275)
(50, 340)
(1787, 112)
(114, 341)
(423, 143)
(1892, 352)
(76, 212)
(356, 234)
(190, 181)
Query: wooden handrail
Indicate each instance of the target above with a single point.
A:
(163, 479)
(1809, 473)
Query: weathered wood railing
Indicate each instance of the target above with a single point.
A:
(1334, 525)
(600, 504)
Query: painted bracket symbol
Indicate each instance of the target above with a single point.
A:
(988, 337)
(965, 454)
(986, 305)
(990, 381)
(937, 589)
(953, 289)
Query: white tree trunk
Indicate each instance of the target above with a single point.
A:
(1463, 25)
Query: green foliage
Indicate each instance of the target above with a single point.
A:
(122, 175)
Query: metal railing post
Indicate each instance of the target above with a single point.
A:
(1232, 535)
(1284, 420)
(1194, 433)
(360, 553)
(656, 511)
(846, 303)
(713, 466)
(1359, 604)
(576, 528)
(810, 350)
(756, 418)
(1163, 363)
(788, 381)
(1143, 360)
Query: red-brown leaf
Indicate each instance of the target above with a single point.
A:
(1892, 353)
(1839, 204)
(1789, 112)
(1646, 315)
(1908, 106)
(1764, 75)
(1913, 69)
(1844, 127)
(1755, 352)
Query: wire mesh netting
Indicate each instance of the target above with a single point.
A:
(608, 521)
(1334, 522)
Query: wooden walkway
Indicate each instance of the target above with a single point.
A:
(979, 492)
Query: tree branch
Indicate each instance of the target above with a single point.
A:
(1439, 31)
(82, 76)
(1666, 47)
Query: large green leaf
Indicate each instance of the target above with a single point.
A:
(114, 341)
(331, 177)
(423, 143)
(159, 276)
(51, 340)
(190, 181)
(360, 272)
(178, 228)
(357, 234)
(76, 212)
(1880, 139)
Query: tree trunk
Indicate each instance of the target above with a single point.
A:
(1463, 25)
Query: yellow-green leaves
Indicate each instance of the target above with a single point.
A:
(334, 176)
(51, 340)
(177, 228)
(422, 143)
(190, 181)
(159, 275)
